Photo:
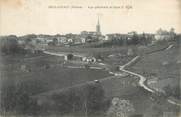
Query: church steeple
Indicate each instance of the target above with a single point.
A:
(98, 27)
(98, 22)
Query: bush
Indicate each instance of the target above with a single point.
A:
(67, 102)
(70, 56)
(89, 100)
(172, 91)
(120, 108)
(94, 98)
(16, 98)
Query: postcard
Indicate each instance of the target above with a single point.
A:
(90, 58)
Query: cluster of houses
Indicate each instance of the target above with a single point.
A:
(42, 41)
(159, 35)
(70, 39)
(67, 39)
(127, 36)
(93, 36)
(61, 39)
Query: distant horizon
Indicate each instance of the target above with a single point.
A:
(88, 31)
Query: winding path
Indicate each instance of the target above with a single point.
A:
(142, 79)
(60, 54)
(173, 102)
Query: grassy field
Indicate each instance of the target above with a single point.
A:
(55, 76)
(127, 88)
(162, 67)
(113, 56)
(162, 64)
(44, 73)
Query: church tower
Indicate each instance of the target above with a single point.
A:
(98, 28)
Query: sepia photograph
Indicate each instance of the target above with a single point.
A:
(90, 58)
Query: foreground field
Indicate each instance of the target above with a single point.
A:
(44, 85)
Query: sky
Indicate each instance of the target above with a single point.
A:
(22, 17)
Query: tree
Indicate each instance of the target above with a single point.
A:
(172, 91)
(172, 34)
(9, 45)
(172, 30)
(143, 39)
(28, 38)
(120, 108)
(176, 92)
(168, 90)
(70, 56)
(55, 41)
(8, 99)
(94, 98)
(16, 98)
(135, 39)
(67, 102)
